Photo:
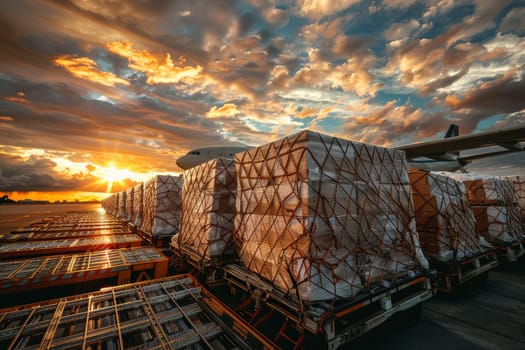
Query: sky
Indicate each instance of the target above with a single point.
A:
(97, 95)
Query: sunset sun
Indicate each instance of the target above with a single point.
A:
(111, 174)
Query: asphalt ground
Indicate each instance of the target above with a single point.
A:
(487, 314)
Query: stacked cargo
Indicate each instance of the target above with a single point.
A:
(161, 206)
(121, 205)
(208, 211)
(323, 218)
(138, 205)
(110, 204)
(445, 222)
(519, 189)
(130, 197)
(493, 201)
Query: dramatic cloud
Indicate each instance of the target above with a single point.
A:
(160, 69)
(514, 21)
(90, 85)
(86, 68)
(316, 9)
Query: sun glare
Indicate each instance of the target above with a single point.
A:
(111, 175)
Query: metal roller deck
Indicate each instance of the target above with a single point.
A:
(69, 227)
(65, 246)
(49, 236)
(43, 272)
(163, 314)
(334, 325)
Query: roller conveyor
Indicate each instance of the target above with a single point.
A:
(48, 236)
(64, 246)
(165, 314)
(42, 272)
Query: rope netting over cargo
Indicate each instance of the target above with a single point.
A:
(138, 204)
(208, 210)
(519, 190)
(110, 204)
(322, 217)
(445, 222)
(493, 201)
(130, 197)
(121, 205)
(162, 205)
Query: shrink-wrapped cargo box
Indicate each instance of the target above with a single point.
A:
(518, 183)
(130, 197)
(208, 211)
(493, 201)
(138, 204)
(110, 204)
(445, 222)
(161, 206)
(121, 205)
(322, 218)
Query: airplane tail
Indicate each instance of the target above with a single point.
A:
(453, 131)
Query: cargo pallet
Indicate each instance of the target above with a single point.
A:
(510, 251)
(329, 325)
(68, 228)
(159, 241)
(59, 270)
(65, 246)
(451, 275)
(171, 313)
(49, 236)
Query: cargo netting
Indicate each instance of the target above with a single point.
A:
(208, 211)
(110, 204)
(323, 218)
(138, 205)
(130, 197)
(121, 205)
(162, 205)
(519, 189)
(493, 201)
(445, 222)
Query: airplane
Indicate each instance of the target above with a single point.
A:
(203, 154)
(437, 155)
(444, 155)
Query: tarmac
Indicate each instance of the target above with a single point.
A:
(488, 314)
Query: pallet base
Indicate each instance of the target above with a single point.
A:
(451, 275)
(337, 323)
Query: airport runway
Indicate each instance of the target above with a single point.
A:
(488, 315)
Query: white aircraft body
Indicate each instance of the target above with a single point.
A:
(438, 155)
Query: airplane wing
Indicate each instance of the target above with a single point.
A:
(509, 139)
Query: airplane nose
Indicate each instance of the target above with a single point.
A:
(182, 162)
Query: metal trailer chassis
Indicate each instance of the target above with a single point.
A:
(511, 251)
(451, 275)
(338, 323)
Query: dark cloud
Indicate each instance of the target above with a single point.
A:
(501, 96)
(136, 83)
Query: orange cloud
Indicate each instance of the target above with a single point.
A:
(6, 118)
(227, 110)
(307, 112)
(18, 98)
(160, 69)
(86, 68)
